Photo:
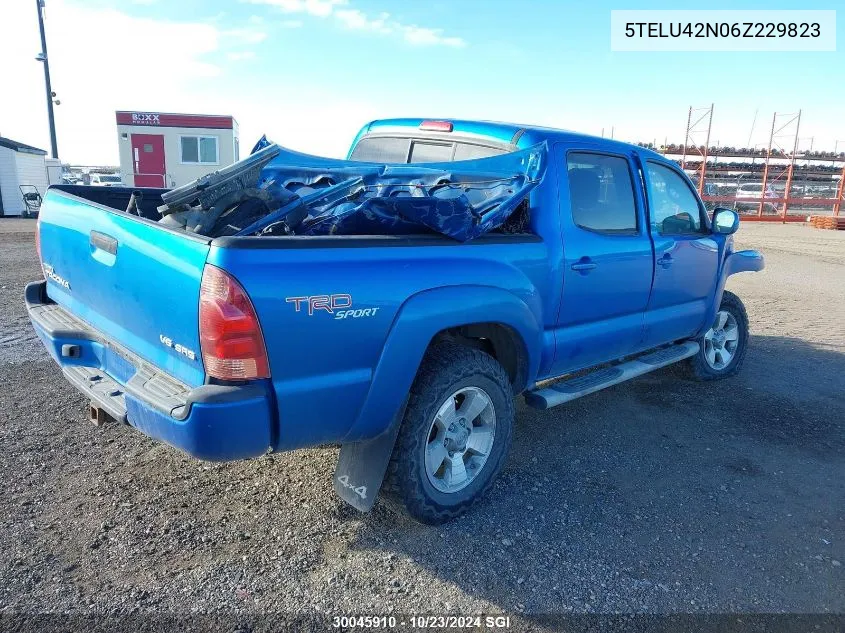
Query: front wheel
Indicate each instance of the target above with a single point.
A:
(455, 435)
(723, 346)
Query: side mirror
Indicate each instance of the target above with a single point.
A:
(725, 221)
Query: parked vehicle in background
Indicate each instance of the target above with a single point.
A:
(106, 180)
(748, 197)
(390, 307)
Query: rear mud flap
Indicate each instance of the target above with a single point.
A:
(361, 467)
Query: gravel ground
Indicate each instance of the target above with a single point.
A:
(660, 495)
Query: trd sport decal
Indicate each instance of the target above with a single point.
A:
(339, 305)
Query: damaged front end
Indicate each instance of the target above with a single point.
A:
(276, 191)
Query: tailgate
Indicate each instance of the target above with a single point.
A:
(131, 279)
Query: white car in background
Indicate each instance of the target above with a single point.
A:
(747, 193)
(106, 180)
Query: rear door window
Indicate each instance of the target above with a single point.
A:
(601, 193)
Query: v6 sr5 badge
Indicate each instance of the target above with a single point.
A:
(338, 305)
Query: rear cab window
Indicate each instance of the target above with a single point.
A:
(382, 149)
(406, 149)
(429, 152)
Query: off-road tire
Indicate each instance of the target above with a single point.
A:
(446, 368)
(698, 367)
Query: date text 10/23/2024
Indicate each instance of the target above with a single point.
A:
(391, 622)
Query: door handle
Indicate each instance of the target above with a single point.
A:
(104, 242)
(583, 265)
(666, 260)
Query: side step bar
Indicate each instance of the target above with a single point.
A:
(572, 388)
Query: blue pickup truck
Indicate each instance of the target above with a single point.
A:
(393, 303)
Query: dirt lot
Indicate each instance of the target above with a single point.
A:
(661, 495)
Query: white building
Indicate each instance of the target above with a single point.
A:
(159, 149)
(20, 164)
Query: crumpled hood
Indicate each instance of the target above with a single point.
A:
(460, 199)
(279, 191)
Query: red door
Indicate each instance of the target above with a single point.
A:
(148, 160)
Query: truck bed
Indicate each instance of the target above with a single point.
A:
(117, 198)
(327, 307)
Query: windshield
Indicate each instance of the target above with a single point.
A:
(110, 179)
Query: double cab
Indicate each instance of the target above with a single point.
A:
(407, 349)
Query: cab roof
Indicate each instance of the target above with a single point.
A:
(517, 135)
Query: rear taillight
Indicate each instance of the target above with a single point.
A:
(38, 237)
(230, 335)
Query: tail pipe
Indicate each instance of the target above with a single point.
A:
(98, 415)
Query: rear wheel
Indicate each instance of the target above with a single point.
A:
(455, 435)
(723, 346)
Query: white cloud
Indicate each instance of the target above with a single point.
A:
(249, 35)
(94, 73)
(322, 8)
(357, 20)
(237, 56)
(421, 36)
(292, 24)
(318, 8)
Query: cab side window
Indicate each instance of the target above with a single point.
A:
(601, 193)
(672, 205)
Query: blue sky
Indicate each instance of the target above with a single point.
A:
(310, 72)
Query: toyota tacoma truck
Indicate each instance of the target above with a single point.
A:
(393, 303)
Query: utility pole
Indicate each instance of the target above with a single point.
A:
(42, 57)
